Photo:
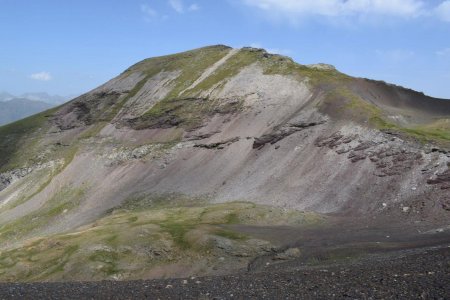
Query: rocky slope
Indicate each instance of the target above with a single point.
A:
(216, 125)
(416, 275)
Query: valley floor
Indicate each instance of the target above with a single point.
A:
(405, 274)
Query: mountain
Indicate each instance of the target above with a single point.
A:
(45, 97)
(4, 96)
(13, 108)
(218, 160)
(17, 108)
(42, 97)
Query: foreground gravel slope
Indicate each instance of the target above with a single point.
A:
(412, 274)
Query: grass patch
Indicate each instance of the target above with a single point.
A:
(68, 155)
(178, 231)
(92, 130)
(157, 201)
(49, 263)
(192, 64)
(131, 243)
(133, 219)
(64, 200)
(232, 67)
(424, 134)
(230, 235)
(344, 104)
(233, 218)
(57, 264)
(112, 239)
(316, 78)
(22, 135)
(117, 107)
(187, 113)
(438, 130)
(108, 259)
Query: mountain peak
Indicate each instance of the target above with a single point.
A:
(177, 148)
(322, 66)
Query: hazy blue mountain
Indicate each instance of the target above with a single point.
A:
(39, 96)
(18, 108)
(45, 97)
(4, 96)
(13, 108)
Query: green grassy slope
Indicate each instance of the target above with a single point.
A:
(128, 244)
(18, 140)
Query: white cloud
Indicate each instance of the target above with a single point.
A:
(443, 52)
(42, 76)
(333, 8)
(149, 13)
(443, 11)
(177, 5)
(194, 7)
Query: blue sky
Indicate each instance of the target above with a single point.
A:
(69, 47)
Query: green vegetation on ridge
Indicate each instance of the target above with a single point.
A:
(22, 135)
(341, 103)
(64, 200)
(127, 244)
(192, 64)
(189, 109)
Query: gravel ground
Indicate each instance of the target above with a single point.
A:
(423, 274)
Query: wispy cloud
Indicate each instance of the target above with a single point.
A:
(177, 5)
(42, 76)
(443, 11)
(149, 13)
(194, 7)
(297, 10)
(404, 8)
(443, 52)
(180, 7)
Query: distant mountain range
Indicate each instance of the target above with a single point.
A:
(42, 96)
(18, 108)
(13, 108)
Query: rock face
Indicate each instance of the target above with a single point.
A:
(322, 67)
(284, 131)
(233, 124)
